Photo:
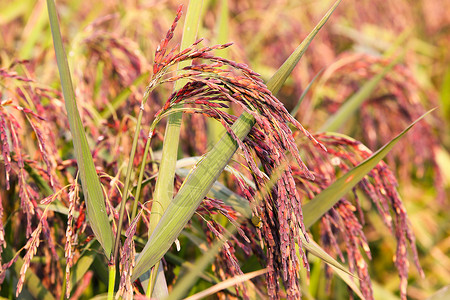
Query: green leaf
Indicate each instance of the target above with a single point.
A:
(122, 97)
(215, 129)
(300, 100)
(317, 251)
(179, 261)
(183, 206)
(354, 102)
(349, 281)
(223, 26)
(228, 283)
(83, 264)
(185, 283)
(445, 94)
(164, 184)
(160, 289)
(96, 210)
(340, 270)
(221, 192)
(323, 202)
(200, 181)
(276, 82)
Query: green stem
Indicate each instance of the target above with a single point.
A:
(63, 290)
(141, 172)
(152, 280)
(112, 281)
(127, 183)
(150, 88)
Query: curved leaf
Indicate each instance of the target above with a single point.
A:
(93, 194)
(340, 270)
(226, 284)
(354, 102)
(302, 96)
(318, 206)
(186, 282)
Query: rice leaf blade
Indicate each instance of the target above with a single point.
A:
(302, 96)
(221, 192)
(276, 82)
(318, 206)
(192, 192)
(83, 263)
(339, 269)
(96, 210)
(317, 251)
(215, 129)
(185, 283)
(239, 204)
(354, 102)
(227, 284)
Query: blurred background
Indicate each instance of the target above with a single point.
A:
(361, 38)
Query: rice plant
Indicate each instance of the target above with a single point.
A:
(147, 169)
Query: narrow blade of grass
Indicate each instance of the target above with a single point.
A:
(197, 185)
(318, 206)
(349, 281)
(240, 204)
(227, 283)
(183, 206)
(445, 94)
(339, 269)
(122, 97)
(300, 100)
(317, 251)
(354, 102)
(312, 247)
(96, 210)
(83, 263)
(278, 79)
(206, 276)
(185, 283)
(221, 192)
